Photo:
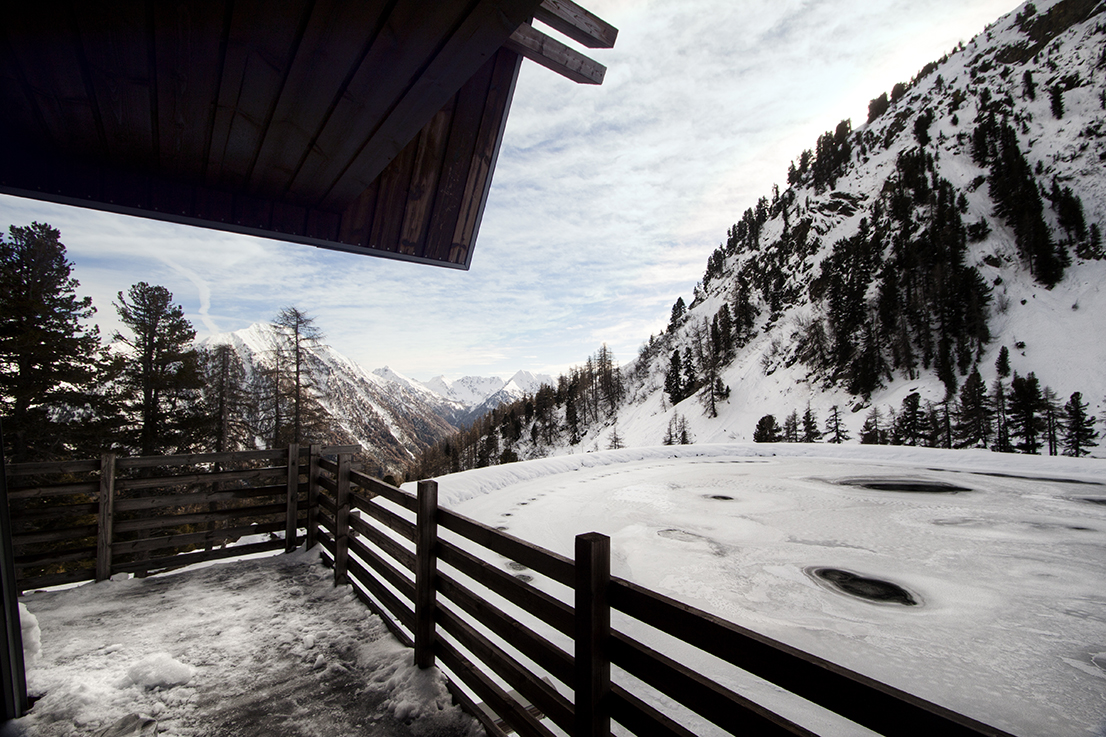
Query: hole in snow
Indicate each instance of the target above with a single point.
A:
(872, 589)
(914, 485)
(721, 497)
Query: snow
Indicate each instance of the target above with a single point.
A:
(257, 647)
(1008, 574)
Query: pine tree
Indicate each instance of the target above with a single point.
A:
(1002, 363)
(48, 359)
(973, 415)
(811, 434)
(1025, 408)
(871, 432)
(1078, 429)
(160, 372)
(767, 431)
(1002, 427)
(673, 379)
(835, 428)
(910, 425)
(1051, 412)
(615, 442)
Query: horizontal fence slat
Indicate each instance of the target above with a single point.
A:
(328, 483)
(495, 697)
(724, 707)
(187, 559)
(396, 606)
(386, 570)
(195, 459)
(328, 465)
(201, 478)
(54, 556)
(641, 718)
(395, 550)
(194, 538)
(334, 450)
(384, 516)
(22, 518)
(878, 706)
(180, 520)
(56, 579)
(552, 611)
(199, 497)
(376, 487)
(52, 536)
(40, 492)
(535, 647)
(541, 695)
(42, 468)
(328, 504)
(545, 562)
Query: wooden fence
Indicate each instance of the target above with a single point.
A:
(506, 634)
(87, 520)
(489, 608)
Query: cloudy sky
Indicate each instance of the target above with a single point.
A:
(605, 204)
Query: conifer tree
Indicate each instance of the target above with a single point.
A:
(998, 402)
(1051, 412)
(766, 431)
(296, 335)
(1025, 409)
(871, 432)
(973, 415)
(791, 427)
(161, 371)
(48, 359)
(910, 425)
(811, 434)
(225, 399)
(1078, 429)
(835, 427)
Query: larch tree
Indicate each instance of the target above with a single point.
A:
(48, 358)
(297, 334)
(225, 399)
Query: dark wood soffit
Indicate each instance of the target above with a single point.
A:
(195, 112)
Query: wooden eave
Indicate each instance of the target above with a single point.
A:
(369, 126)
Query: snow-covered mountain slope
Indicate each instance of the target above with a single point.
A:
(389, 418)
(1040, 72)
(901, 256)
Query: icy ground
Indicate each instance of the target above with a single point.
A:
(1009, 573)
(259, 647)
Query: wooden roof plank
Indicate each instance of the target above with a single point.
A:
(54, 78)
(494, 121)
(421, 192)
(190, 44)
(408, 36)
(116, 45)
(554, 55)
(338, 37)
(260, 50)
(577, 23)
(457, 159)
(395, 182)
(464, 50)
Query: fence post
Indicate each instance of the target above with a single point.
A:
(13, 674)
(593, 629)
(291, 525)
(106, 517)
(426, 569)
(341, 521)
(313, 495)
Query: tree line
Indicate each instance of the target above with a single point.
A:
(151, 390)
(1016, 414)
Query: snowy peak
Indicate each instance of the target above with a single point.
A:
(468, 390)
(525, 382)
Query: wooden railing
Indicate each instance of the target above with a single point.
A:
(510, 641)
(518, 655)
(87, 520)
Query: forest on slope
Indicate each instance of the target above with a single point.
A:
(930, 277)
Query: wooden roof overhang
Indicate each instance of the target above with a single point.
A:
(369, 126)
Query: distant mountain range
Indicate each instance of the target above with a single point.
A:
(391, 416)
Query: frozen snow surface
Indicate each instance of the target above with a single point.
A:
(252, 648)
(1010, 622)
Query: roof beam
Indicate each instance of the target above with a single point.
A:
(554, 55)
(577, 23)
